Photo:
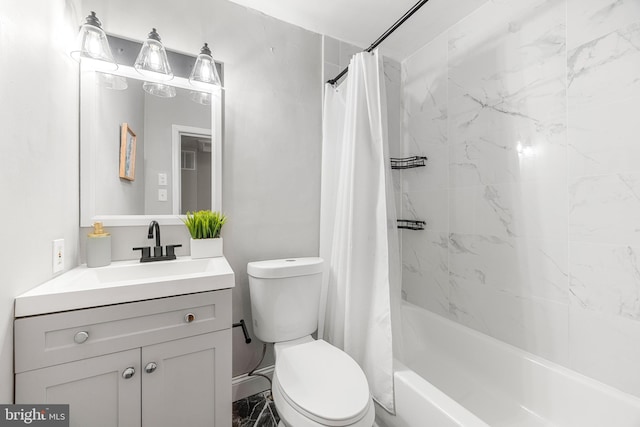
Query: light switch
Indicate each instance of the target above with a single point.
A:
(162, 178)
(162, 194)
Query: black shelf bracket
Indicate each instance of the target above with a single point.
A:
(410, 224)
(408, 162)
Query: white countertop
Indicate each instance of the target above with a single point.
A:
(125, 281)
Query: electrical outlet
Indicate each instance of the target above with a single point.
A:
(162, 178)
(58, 255)
(162, 194)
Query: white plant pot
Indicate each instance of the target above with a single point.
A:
(206, 248)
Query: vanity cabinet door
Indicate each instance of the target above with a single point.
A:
(96, 390)
(187, 382)
(179, 349)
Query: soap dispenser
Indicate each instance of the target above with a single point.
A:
(98, 247)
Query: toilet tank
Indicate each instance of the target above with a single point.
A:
(285, 297)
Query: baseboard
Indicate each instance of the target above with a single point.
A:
(245, 386)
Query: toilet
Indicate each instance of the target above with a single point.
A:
(314, 383)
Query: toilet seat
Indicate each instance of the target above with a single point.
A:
(322, 383)
(290, 416)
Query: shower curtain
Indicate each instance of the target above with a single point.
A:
(358, 230)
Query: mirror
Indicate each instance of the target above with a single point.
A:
(145, 157)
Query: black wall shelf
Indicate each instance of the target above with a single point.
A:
(410, 224)
(408, 162)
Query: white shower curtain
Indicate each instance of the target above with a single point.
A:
(358, 225)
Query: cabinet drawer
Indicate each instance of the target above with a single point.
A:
(53, 339)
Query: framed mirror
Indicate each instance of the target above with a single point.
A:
(143, 156)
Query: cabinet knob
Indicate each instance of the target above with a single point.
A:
(81, 337)
(189, 317)
(128, 373)
(151, 366)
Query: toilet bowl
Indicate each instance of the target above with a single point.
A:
(314, 383)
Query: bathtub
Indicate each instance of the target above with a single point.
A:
(455, 376)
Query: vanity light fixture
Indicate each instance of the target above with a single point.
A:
(92, 43)
(204, 73)
(152, 60)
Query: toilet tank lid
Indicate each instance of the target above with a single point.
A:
(288, 267)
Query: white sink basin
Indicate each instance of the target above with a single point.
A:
(156, 271)
(125, 281)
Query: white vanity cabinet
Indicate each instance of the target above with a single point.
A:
(154, 363)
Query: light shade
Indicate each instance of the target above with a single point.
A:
(204, 73)
(152, 60)
(92, 43)
(159, 89)
(203, 98)
(111, 81)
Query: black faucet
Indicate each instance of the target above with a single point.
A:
(154, 227)
(157, 249)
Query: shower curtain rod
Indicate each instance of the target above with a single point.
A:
(384, 35)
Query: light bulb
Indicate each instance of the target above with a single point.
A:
(92, 43)
(204, 74)
(152, 60)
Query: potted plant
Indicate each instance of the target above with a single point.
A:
(204, 227)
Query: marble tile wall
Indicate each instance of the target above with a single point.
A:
(527, 112)
(603, 93)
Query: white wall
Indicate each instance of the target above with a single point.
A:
(39, 151)
(272, 132)
(527, 110)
